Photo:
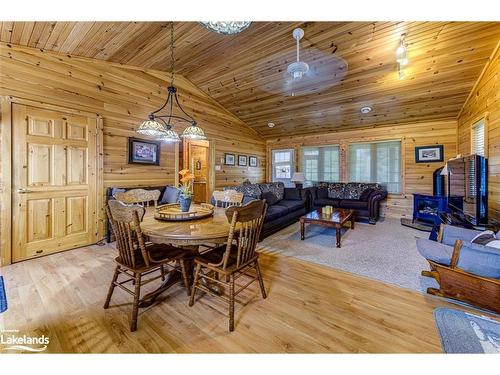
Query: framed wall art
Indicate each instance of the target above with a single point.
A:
(429, 154)
(143, 151)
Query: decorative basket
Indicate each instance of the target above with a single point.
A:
(172, 212)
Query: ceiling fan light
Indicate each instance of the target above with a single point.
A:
(151, 128)
(400, 51)
(297, 69)
(193, 132)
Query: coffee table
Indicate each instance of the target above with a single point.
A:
(336, 220)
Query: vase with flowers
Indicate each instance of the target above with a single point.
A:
(185, 186)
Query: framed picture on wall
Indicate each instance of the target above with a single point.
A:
(429, 154)
(242, 160)
(229, 159)
(143, 151)
(252, 161)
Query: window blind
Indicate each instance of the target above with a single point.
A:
(477, 141)
(321, 163)
(376, 162)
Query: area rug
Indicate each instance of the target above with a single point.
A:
(386, 251)
(3, 296)
(462, 332)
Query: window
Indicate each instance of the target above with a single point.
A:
(320, 163)
(283, 166)
(376, 162)
(478, 145)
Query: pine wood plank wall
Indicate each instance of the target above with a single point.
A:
(484, 100)
(416, 177)
(123, 96)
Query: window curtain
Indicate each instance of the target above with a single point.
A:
(376, 162)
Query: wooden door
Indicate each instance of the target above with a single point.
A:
(54, 181)
(198, 159)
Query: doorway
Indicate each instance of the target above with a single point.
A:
(197, 158)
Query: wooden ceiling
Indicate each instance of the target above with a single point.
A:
(352, 64)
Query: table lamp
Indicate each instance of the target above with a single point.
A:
(298, 178)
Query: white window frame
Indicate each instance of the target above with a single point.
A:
(286, 181)
(482, 120)
(301, 161)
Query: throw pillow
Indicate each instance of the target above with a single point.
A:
(484, 237)
(494, 244)
(322, 192)
(366, 194)
(170, 195)
(270, 198)
(292, 194)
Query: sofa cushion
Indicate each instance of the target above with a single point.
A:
(277, 188)
(353, 204)
(170, 195)
(250, 190)
(322, 192)
(270, 198)
(274, 212)
(353, 190)
(336, 190)
(434, 251)
(484, 237)
(480, 260)
(293, 194)
(291, 205)
(327, 202)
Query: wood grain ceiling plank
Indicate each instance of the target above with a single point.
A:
(76, 35)
(6, 29)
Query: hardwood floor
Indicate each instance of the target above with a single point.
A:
(309, 308)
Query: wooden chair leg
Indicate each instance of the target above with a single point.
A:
(195, 282)
(231, 303)
(137, 296)
(112, 286)
(185, 277)
(162, 270)
(261, 282)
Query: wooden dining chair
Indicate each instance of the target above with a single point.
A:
(138, 196)
(137, 259)
(227, 198)
(238, 258)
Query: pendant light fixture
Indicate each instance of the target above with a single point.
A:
(401, 52)
(161, 126)
(402, 56)
(298, 68)
(226, 27)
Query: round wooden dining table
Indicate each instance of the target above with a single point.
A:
(188, 234)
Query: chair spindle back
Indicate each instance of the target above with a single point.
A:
(125, 221)
(138, 196)
(227, 198)
(247, 222)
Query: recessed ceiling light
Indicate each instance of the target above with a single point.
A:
(271, 124)
(366, 109)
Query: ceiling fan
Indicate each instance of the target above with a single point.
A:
(322, 70)
(298, 68)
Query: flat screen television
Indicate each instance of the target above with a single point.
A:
(468, 188)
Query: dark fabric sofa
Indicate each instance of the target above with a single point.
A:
(363, 198)
(285, 205)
